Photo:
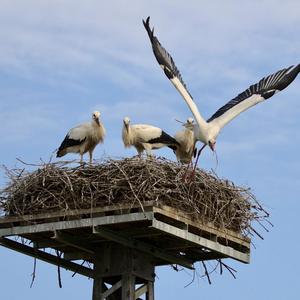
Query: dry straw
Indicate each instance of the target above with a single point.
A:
(61, 187)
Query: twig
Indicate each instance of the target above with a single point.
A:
(206, 272)
(58, 254)
(231, 270)
(33, 273)
(194, 272)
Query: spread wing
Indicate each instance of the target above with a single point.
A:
(167, 63)
(256, 93)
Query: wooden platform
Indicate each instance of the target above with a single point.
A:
(169, 235)
(155, 235)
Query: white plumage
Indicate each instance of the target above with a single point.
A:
(83, 138)
(186, 139)
(207, 131)
(145, 137)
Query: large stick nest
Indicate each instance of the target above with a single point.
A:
(59, 187)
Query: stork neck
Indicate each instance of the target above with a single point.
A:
(190, 102)
(128, 129)
(127, 136)
(96, 122)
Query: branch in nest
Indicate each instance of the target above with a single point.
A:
(59, 186)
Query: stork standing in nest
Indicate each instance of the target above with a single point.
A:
(186, 139)
(207, 131)
(146, 137)
(83, 138)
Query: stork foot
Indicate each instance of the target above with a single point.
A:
(188, 175)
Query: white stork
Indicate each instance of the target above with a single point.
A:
(145, 137)
(83, 138)
(186, 139)
(207, 131)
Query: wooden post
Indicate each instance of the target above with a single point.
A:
(97, 288)
(98, 280)
(128, 286)
(123, 268)
(150, 291)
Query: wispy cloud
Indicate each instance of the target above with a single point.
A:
(96, 52)
(83, 35)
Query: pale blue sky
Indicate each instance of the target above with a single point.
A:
(61, 60)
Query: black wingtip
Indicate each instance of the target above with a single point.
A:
(148, 29)
(146, 23)
(292, 73)
(162, 56)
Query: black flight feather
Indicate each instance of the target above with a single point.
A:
(266, 88)
(164, 138)
(164, 59)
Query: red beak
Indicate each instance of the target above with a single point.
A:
(211, 146)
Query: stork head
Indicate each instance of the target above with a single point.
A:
(212, 144)
(126, 122)
(96, 115)
(189, 124)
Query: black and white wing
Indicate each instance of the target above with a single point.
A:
(153, 135)
(255, 94)
(164, 139)
(162, 56)
(75, 137)
(168, 65)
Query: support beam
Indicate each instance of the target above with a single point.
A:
(69, 240)
(44, 256)
(108, 292)
(142, 246)
(141, 290)
(201, 241)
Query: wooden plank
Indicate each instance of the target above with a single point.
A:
(201, 241)
(74, 212)
(44, 256)
(180, 216)
(142, 246)
(133, 217)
